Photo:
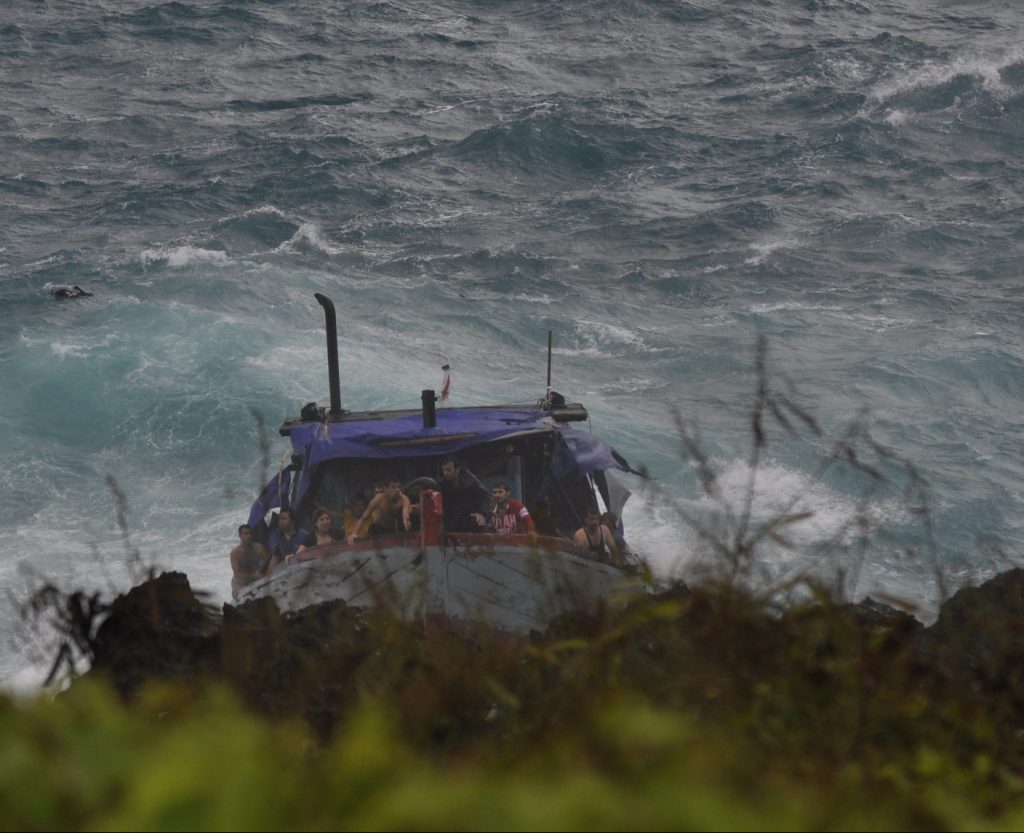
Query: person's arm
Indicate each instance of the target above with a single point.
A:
(613, 549)
(579, 537)
(236, 562)
(276, 559)
(483, 499)
(406, 513)
(524, 521)
(279, 553)
(307, 542)
(482, 503)
(476, 496)
(371, 507)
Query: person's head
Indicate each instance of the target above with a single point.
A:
(285, 521)
(499, 492)
(610, 520)
(450, 469)
(379, 488)
(394, 488)
(245, 533)
(322, 521)
(592, 519)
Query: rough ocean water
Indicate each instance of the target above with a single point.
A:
(659, 183)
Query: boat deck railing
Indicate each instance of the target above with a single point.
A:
(474, 542)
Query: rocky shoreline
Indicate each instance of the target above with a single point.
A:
(304, 662)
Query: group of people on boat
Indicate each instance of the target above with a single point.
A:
(251, 559)
(468, 507)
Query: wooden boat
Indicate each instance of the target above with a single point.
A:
(513, 582)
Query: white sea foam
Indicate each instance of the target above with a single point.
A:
(46, 261)
(793, 306)
(987, 67)
(67, 351)
(663, 529)
(896, 117)
(273, 210)
(311, 235)
(179, 256)
(600, 339)
(766, 248)
(453, 106)
(26, 681)
(634, 385)
(861, 320)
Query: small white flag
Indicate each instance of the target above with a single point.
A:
(446, 384)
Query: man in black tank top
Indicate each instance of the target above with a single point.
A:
(595, 537)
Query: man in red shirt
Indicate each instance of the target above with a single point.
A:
(508, 515)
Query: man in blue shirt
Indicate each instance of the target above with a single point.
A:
(286, 538)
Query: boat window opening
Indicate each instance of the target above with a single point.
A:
(293, 491)
(338, 485)
(526, 463)
(568, 499)
(598, 496)
(499, 467)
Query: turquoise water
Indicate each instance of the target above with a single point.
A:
(658, 183)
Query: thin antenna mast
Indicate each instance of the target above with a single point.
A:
(547, 392)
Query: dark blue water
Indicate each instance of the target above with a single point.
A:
(656, 182)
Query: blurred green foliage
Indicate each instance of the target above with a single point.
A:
(690, 710)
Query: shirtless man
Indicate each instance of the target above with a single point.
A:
(595, 537)
(387, 514)
(249, 560)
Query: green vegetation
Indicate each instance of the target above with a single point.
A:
(690, 710)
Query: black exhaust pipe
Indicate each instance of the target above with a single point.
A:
(429, 409)
(332, 352)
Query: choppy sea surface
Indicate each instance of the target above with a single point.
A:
(657, 182)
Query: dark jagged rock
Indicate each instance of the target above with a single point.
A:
(978, 633)
(293, 664)
(157, 629)
(872, 614)
(683, 643)
(264, 649)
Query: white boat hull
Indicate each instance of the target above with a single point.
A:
(503, 581)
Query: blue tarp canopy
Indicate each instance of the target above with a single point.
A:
(457, 429)
(405, 436)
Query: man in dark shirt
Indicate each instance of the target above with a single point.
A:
(465, 498)
(286, 538)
